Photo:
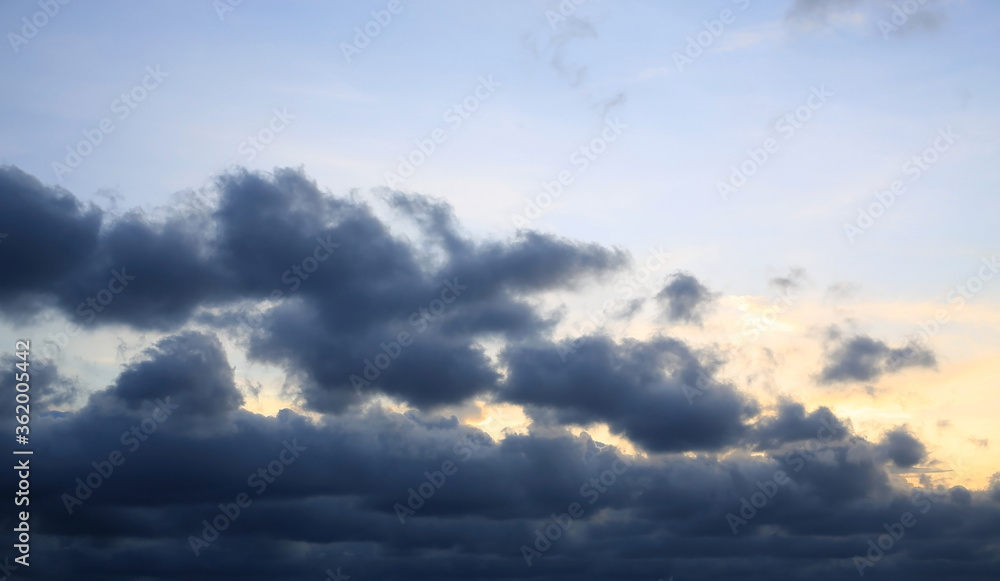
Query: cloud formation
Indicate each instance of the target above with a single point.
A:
(685, 298)
(324, 289)
(862, 358)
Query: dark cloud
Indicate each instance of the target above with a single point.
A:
(50, 389)
(861, 358)
(686, 298)
(49, 234)
(656, 393)
(341, 286)
(191, 368)
(335, 505)
(792, 424)
(349, 285)
(903, 448)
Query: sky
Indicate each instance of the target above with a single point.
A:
(509, 290)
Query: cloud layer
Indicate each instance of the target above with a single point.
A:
(164, 474)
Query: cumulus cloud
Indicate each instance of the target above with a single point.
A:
(861, 358)
(653, 392)
(792, 424)
(685, 298)
(903, 448)
(349, 287)
(336, 503)
(337, 287)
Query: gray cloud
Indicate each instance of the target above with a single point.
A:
(861, 358)
(685, 297)
(335, 506)
(903, 448)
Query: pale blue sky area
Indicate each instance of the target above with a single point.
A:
(656, 185)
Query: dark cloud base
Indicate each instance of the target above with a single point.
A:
(325, 495)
